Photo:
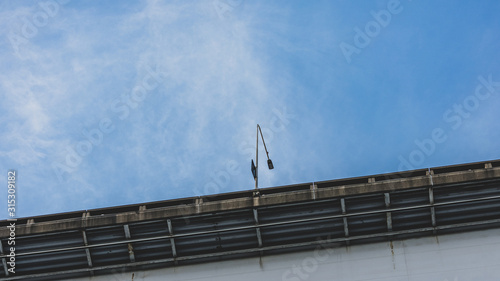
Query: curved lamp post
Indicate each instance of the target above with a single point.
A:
(255, 166)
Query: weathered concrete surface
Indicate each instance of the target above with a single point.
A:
(271, 196)
(455, 257)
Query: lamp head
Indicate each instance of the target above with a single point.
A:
(270, 164)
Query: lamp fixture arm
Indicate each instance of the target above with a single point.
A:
(262, 137)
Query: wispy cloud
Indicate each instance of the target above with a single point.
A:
(216, 83)
(83, 69)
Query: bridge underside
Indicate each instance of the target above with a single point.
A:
(345, 212)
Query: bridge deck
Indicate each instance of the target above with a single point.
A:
(274, 220)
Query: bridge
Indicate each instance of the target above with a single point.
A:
(440, 223)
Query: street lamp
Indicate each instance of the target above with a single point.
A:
(255, 166)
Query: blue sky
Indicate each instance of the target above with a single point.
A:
(106, 103)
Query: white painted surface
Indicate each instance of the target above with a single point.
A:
(456, 257)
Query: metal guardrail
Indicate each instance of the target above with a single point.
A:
(467, 204)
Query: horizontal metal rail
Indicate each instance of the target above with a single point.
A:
(491, 165)
(252, 250)
(254, 226)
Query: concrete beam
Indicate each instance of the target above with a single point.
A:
(322, 190)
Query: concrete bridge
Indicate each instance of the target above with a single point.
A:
(438, 224)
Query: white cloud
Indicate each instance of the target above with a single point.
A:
(217, 88)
